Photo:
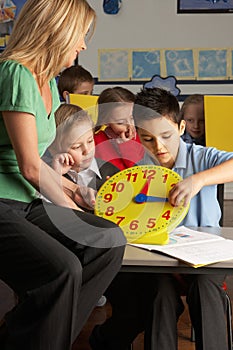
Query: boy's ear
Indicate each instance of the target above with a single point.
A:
(65, 94)
(182, 127)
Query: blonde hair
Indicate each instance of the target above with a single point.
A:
(45, 32)
(191, 99)
(66, 111)
(68, 116)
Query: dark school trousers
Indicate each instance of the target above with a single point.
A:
(131, 296)
(59, 262)
(207, 304)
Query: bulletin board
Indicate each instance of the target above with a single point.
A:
(219, 121)
(183, 63)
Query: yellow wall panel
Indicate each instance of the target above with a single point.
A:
(87, 102)
(219, 122)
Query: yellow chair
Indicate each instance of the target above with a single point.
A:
(87, 102)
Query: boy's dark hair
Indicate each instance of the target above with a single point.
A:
(192, 99)
(151, 103)
(72, 77)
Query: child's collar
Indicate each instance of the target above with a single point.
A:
(181, 156)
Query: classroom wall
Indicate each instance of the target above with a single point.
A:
(156, 24)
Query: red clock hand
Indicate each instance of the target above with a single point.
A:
(144, 190)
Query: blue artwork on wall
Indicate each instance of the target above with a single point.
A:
(111, 7)
(168, 83)
(113, 64)
(208, 6)
(145, 64)
(180, 63)
(183, 64)
(212, 64)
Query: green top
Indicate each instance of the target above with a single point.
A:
(19, 92)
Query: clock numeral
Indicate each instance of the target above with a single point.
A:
(107, 197)
(167, 215)
(132, 175)
(149, 174)
(151, 223)
(165, 176)
(121, 218)
(134, 225)
(117, 186)
(109, 211)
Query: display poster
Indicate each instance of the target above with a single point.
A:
(9, 10)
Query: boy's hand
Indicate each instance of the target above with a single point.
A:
(62, 163)
(185, 190)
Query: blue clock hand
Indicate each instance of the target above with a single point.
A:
(141, 198)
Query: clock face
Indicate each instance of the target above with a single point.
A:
(136, 199)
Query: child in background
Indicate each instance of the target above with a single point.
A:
(115, 136)
(192, 111)
(75, 80)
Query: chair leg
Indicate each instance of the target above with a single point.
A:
(192, 338)
(229, 322)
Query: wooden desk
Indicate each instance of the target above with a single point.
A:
(140, 260)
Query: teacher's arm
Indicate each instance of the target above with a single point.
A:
(22, 131)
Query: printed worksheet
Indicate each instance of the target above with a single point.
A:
(195, 248)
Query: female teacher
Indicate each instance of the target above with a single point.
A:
(57, 258)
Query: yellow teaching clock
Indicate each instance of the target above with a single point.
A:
(136, 199)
